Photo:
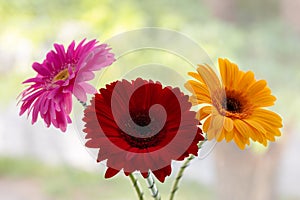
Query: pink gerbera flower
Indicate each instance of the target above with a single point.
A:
(62, 74)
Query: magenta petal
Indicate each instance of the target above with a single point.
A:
(45, 107)
(61, 120)
(79, 93)
(28, 101)
(68, 103)
(88, 88)
(52, 100)
(52, 93)
(47, 119)
(36, 80)
(57, 107)
(60, 52)
(85, 76)
(40, 69)
(70, 50)
(69, 120)
(33, 95)
(35, 111)
(52, 110)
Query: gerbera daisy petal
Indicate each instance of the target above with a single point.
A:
(263, 101)
(228, 72)
(228, 124)
(256, 87)
(239, 141)
(161, 174)
(228, 135)
(242, 128)
(236, 106)
(204, 112)
(88, 88)
(70, 50)
(206, 124)
(221, 136)
(134, 139)
(50, 92)
(196, 76)
(225, 72)
(268, 116)
(196, 87)
(195, 100)
(40, 69)
(110, 172)
(246, 80)
(209, 77)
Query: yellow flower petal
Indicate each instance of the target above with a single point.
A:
(203, 112)
(206, 124)
(210, 78)
(242, 128)
(195, 100)
(194, 86)
(263, 101)
(239, 142)
(255, 125)
(211, 134)
(229, 72)
(228, 124)
(236, 111)
(220, 136)
(268, 117)
(199, 91)
(228, 135)
(271, 132)
(246, 80)
(196, 76)
(256, 87)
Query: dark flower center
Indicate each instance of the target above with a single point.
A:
(141, 119)
(140, 136)
(232, 105)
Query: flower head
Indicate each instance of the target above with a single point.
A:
(61, 74)
(235, 109)
(141, 126)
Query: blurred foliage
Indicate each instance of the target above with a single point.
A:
(256, 39)
(66, 183)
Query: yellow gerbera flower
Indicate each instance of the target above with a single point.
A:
(235, 105)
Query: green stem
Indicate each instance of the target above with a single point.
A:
(84, 104)
(152, 187)
(136, 186)
(180, 173)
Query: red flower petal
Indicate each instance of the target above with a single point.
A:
(110, 172)
(124, 124)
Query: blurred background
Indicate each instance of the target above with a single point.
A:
(39, 163)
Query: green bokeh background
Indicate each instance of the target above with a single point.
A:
(262, 36)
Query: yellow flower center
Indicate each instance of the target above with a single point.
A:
(62, 75)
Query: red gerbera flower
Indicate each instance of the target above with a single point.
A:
(141, 126)
(62, 74)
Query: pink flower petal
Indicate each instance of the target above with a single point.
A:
(79, 93)
(40, 69)
(51, 98)
(88, 88)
